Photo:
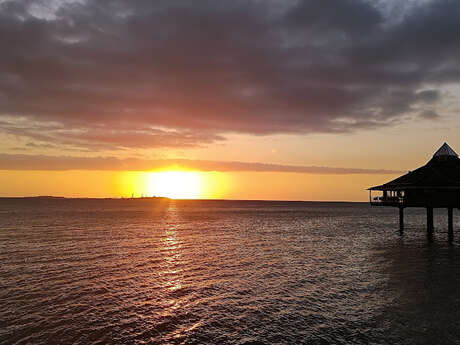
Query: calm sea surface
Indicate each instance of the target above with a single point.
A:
(224, 272)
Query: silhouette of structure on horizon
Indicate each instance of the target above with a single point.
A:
(434, 185)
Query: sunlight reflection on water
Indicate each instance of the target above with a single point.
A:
(207, 272)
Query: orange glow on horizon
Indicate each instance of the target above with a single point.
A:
(215, 185)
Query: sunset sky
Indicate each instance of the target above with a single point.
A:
(240, 99)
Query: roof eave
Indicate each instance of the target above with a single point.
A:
(383, 188)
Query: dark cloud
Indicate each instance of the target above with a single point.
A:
(122, 74)
(429, 115)
(429, 96)
(42, 162)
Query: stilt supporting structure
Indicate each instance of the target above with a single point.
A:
(429, 221)
(401, 220)
(450, 220)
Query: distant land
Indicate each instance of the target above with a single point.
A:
(158, 198)
(50, 197)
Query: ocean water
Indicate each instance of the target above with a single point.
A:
(224, 272)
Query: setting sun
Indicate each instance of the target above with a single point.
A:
(175, 184)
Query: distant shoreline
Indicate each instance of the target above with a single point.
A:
(50, 197)
(158, 198)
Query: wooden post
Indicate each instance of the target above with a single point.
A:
(401, 220)
(429, 221)
(451, 223)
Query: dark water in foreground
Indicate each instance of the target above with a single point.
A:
(221, 272)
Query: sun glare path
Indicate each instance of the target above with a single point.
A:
(175, 184)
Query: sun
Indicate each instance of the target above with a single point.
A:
(175, 184)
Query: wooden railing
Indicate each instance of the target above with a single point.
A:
(385, 201)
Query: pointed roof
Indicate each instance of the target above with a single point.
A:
(442, 171)
(445, 150)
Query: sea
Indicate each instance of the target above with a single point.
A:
(160, 271)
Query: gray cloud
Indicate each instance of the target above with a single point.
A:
(429, 96)
(59, 163)
(123, 74)
(429, 114)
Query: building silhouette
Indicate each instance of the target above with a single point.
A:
(434, 185)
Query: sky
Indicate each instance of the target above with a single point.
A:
(241, 99)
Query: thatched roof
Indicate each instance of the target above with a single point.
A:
(441, 172)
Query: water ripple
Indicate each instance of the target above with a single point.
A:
(223, 272)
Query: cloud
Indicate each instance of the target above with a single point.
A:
(429, 96)
(429, 114)
(127, 74)
(121, 136)
(60, 163)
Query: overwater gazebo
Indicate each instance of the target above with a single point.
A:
(434, 185)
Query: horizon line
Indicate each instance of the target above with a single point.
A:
(53, 197)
